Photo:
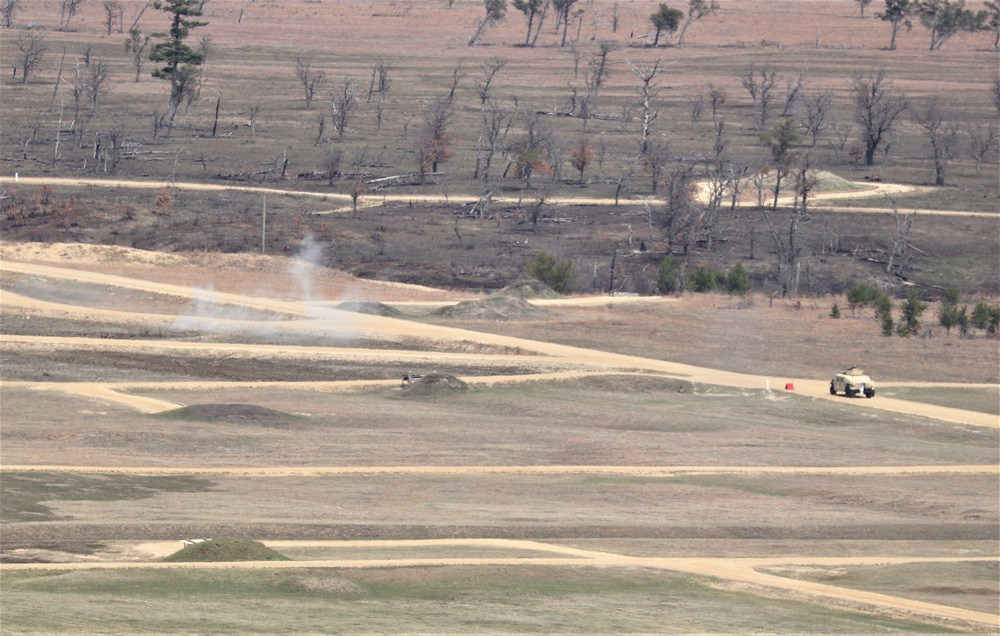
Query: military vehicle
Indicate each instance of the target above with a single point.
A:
(851, 382)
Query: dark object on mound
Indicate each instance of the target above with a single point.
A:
(434, 384)
(372, 309)
(226, 550)
(246, 414)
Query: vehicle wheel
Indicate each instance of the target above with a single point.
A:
(869, 393)
(850, 392)
(833, 391)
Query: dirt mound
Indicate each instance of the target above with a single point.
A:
(528, 288)
(495, 308)
(434, 384)
(226, 550)
(372, 309)
(243, 414)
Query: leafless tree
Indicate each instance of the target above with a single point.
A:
(67, 9)
(434, 144)
(647, 93)
(116, 135)
(97, 81)
(321, 128)
(310, 79)
(490, 69)
(380, 82)
(497, 120)
(33, 127)
(531, 152)
(816, 111)
(457, 74)
(982, 142)
(941, 135)
(331, 164)
(792, 90)
(898, 242)
(342, 105)
(759, 81)
(32, 49)
(716, 97)
(8, 10)
(253, 112)
(683, 214)
(135, 45)
(599, 70)
(876, 109)
(113, 12)
(206, 46)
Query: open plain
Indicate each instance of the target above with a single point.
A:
(206, 327)
(580, 483)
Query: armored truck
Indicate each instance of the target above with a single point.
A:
(851, 382)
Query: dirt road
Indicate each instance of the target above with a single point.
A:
(351, 324)
(549, 359)
(859, 190)
(744, 571)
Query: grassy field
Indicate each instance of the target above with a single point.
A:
(513, 461)
(440, 600)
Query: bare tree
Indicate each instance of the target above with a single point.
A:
(759, 81)
(331, 164)
(531, 152)
(941, 135)
(33, 128)
(67, 9)
(342, 105)
(716, 97)
(495, 125)
(113, 12)
(8, 10)
(898, 242)
(581, 157)
(457, 74)
(380, 82)
(598, 72)
(116, 135)
(135, 45)
(33, 48)
(310, 79)
(792, 90)
(490, 69)
(647, 93)
(97, 81)
(434, 144)
(816, 111)
(253, 112)
(876, 109)
(982, 142)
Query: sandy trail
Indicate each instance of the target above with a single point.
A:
(633, 471)
(551, 361)
(732, 570)
(861, 189)
(379, 327)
